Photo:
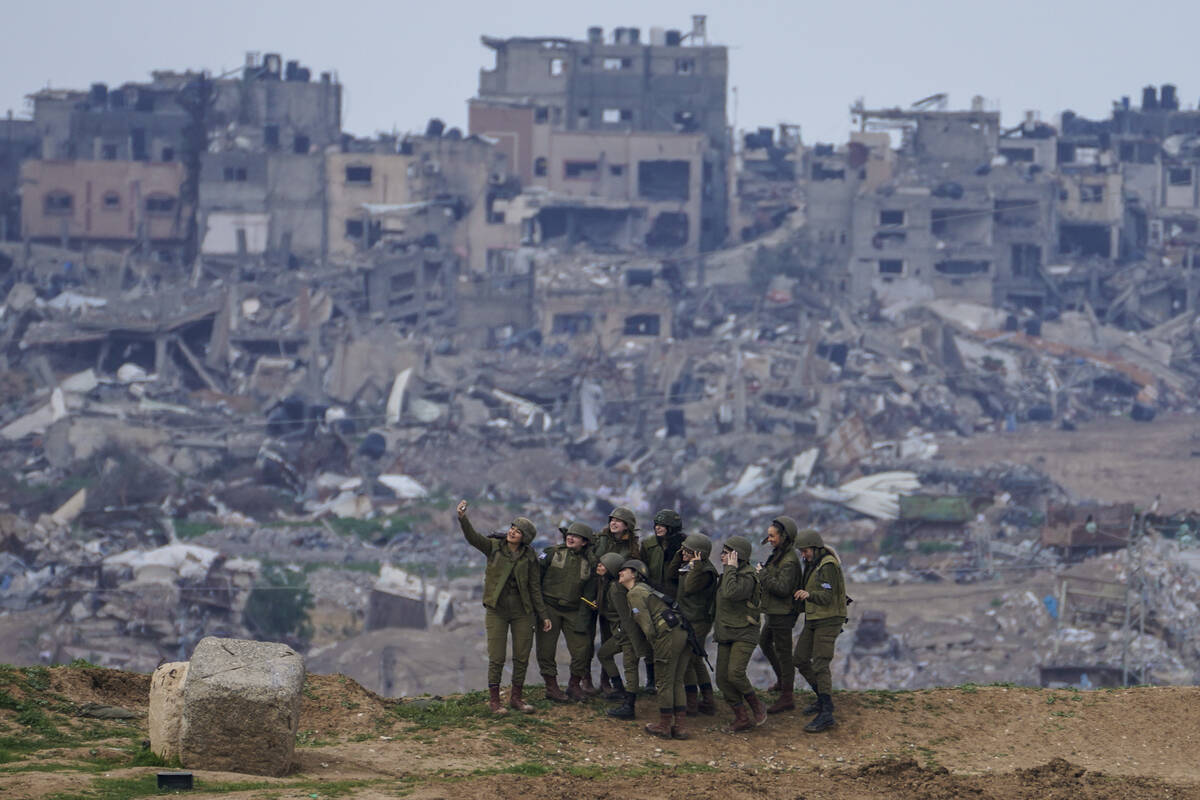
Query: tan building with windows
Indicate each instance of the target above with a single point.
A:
(113, 202)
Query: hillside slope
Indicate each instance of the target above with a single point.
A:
(983, 742)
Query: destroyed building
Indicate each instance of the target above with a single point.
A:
(671, 82)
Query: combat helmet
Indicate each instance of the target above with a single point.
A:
(626, 515)
(637, 566)
(809, 538)
(577, 529)
(740, 545)
(699, 543)
(669, 519)
(527, 528)
(612, 563)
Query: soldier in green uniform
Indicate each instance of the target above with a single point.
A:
(661, 550)
(568, 575)
(618, 536)
(512, 595)
(823, 592)
(780, 578)
(663, 629)
(736, 632)
(697, 600)
(613, 607)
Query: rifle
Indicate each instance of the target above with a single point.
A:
(673, 611)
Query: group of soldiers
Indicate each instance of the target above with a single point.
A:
(656, 600)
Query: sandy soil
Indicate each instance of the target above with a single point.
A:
(986, 742)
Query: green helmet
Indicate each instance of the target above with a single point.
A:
(809, 538)
(577, 529)
(787, 527)
(637, 566)
(668, 519)
(527, 529)
(612, 563)
(699, 543)
(625, 515)
(740, 545)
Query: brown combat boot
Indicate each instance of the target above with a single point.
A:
(589, 688)
(605, 685)
(495, 704)
(575, 690)
(515, 699)
(693, 701)
(741, 719)
(552, 691)
(786, 702)
(679, 724)
(707, 705)
(756, 709)
(662, 728)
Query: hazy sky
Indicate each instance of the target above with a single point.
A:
(800, 62)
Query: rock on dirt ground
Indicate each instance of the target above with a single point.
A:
(982, 742)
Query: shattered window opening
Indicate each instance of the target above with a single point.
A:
(111, 201)
(962, 267)
(685, 66)
(160, 204)
(539, 166)
(1091, 193)
(108, 152)
(1026, 260)
(59, 203)
(615, 64)
(1179, 176)
(578, 170)
(354, 229)
(1017, 154)
(616, 170)
(557, 67)
(572, 324)
(891, 266)
(541, 114)
(358, 174)
(664, 180)
(642, 325)
(235, 174)
(891, 217)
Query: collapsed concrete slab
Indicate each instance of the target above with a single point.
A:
(241, 706)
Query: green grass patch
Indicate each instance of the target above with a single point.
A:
(930, 548)
(456, 712)
(188, 529)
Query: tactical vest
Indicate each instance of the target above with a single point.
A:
(564, 574)
(837, 608)
(737, 620)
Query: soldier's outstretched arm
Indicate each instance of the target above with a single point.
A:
(473, 537)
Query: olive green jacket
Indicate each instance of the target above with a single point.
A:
(826, 587)
(645, 612)
(737, 606)
(502, 564)
(698, 592)
(605, 542)
(658, 566)
(780, 578)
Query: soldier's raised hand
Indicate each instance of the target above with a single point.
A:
(462, 509)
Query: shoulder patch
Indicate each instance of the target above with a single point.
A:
(826, 586)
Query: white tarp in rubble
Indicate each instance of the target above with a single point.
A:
(526, 412)
(424, 410)
(754, 478)
(875, 496)
(404, 487)
(800, 469)
(591, 401)
(80, 382)
(165, 564)
(395, 401)
(73, 301)
(401, 583)
(37, 421)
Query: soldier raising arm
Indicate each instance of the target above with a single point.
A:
(512, 597)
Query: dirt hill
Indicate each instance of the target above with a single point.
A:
(969, 741)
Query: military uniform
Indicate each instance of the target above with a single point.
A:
(567, 576)
(667, 640)
(697, 600)
(736, 632)
(659, 552)
(780, 578)
(613, 607)
(603, 543)
(512, 597)
(824, 616)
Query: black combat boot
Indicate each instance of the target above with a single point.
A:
(649, 687)
(626, 709)
(815, 705)
(824, 718)
(617, 692)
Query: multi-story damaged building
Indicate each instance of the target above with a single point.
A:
(18, 142)
(966, 212)
(116, 203)
(593, 106)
